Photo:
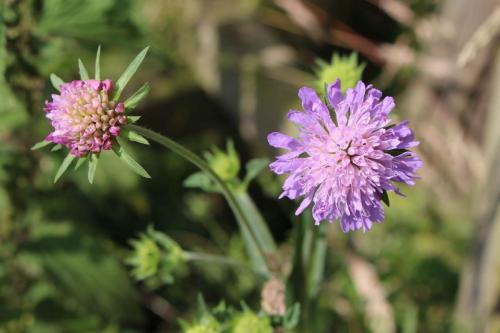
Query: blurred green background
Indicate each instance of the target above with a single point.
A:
(231, 69)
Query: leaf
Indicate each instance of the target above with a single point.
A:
(97, 71)
(136, 167)
(40, 145)
(396, 152)
(385, 198)
(133, 119)
(254, 167)
(200, 180)
(84, 75)
(316, 263)
(64, 166)
(79, 163)
(129, 72)
(56, 81)
(135, 137)
(93, 160)
(292, 316)
(56, 147)
(137, 97)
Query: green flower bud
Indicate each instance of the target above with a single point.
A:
(345, 68)
(226, 164)
(250, 322)
(156, 255)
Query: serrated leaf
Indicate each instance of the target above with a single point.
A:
(133, 136)
(137, 97)
(84, 74)
(292, 316)
(56, 81)
(97, 70)
(64, 166)
(136, 167)
(40, 145)
(79, 163)
(385, 198)
(129, 72)
(93, 160)
(56, 147)
(254, 167)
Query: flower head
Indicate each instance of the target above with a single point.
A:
(87, 117)
(345, 160)
(84, 117)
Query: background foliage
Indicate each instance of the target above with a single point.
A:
(225, 68)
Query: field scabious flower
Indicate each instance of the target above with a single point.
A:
(88, 117)
(84, 117)
(347, 155)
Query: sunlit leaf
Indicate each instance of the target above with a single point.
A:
(40, 145)
(97, 71)
(136, 167)
(64, 166)
(133, 136)
(93, 160)
(137, 97)
(129, 72)
(84, 74)
(56, 81)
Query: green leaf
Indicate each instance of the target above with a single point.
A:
(292, 316)
(133, 119)
(396, 152)
(56, 147)
(200, 180)
(79, 163)
(137, 97)
(136, 167)
(316, 262)
(254, 167)
(385, 198)
(129, 72)
(84, 75)
(97, 72)
(64, 166)
(135, 137)
(56, 81)
(93, 160)
(40, 145)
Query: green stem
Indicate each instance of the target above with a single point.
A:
(203, 166)
(212, 258)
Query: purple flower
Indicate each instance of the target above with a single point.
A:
(84, 117)
(345, 160)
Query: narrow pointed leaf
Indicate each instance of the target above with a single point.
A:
(133, 136)
(64, 166)
(137, 97)
(56, 81)
(84, 75)
(79, 163)
(129, 72)
(254, 167)
(93, 160)
(136, 167)
(133, 119)
(40, 145)
(97, 72)
(56, 147)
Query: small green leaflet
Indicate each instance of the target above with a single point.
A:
(385, 198)
(84, 75)
(93, 160)
(133, 136)
(79, 163)
(137, 97)
(133, 119)
(136, 167)
(40, 145)
(129, 72)
(292, 316)
(97, 72)
(56, 81)
(56, 147)
(254, 167)
(64, 166)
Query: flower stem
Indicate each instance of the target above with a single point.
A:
(211, 258)
(203, 166)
